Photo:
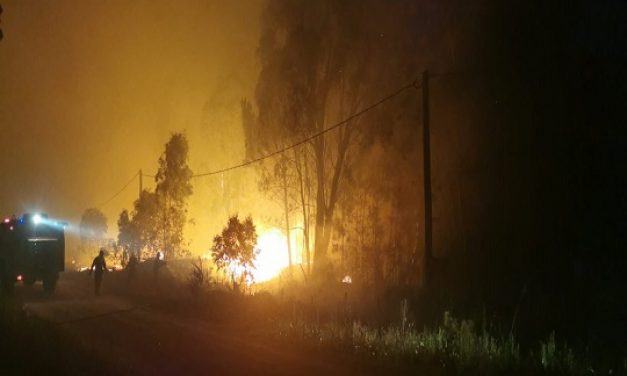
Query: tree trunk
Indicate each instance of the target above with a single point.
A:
(325, 207)
(165, 226)
(304, 205)
(287, 221)
(326, 201)
(320, 244)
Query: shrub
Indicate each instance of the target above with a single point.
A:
(199, 276)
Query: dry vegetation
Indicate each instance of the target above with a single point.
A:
(357, 322)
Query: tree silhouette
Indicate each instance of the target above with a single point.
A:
(128, 236)
(310, 78)
(158, 218)
(234, 250)
(172, 191)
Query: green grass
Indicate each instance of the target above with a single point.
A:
(456, 344)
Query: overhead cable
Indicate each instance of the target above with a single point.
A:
(414, 84)
(118, 192)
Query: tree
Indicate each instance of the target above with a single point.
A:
(128, 235)
(303, 179)
(93, 229)
(278, 184)
(159, 217)
(173, 189)
(234, 250)
(313, 62)
(322, 61)
(279, 180)
(145, 220)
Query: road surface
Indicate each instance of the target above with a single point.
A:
(137, 340)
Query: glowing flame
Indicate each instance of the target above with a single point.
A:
(237, 270)
(272, 257)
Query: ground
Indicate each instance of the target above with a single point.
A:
(123, 334)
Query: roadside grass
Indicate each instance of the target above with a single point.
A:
(331, 319)
(335, 319)
(456, 345)
(327, 323)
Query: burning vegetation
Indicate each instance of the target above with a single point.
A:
(359, 156)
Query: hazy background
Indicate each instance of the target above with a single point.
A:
(91, 90)
(528, 128)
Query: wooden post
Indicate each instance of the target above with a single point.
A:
(426, 148)
(141, 182)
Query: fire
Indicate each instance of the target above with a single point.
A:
(272, 255)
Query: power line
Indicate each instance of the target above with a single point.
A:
(118, 192)
(414, 84)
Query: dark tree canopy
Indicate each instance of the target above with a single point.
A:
(174, 174)
(128, 234)
(173, 189)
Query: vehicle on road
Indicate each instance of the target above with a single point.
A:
(32, 248)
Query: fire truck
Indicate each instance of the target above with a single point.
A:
(32, 248)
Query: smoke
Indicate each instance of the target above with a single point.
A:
(91, 92)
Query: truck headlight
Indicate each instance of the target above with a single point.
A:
(37, 219)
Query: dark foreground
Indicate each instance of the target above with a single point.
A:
(74, 332)
(158, 327)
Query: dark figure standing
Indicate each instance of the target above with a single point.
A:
(100, 266)
(157, 264)
(132, 269)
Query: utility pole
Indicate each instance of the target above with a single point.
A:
(0, 29)
(141, 182)
(426, 157)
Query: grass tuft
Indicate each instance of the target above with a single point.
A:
(451, 343)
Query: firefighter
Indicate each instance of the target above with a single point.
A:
(100, 266)
(131, 267)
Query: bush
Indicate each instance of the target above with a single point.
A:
(198, 277)
(554, 359)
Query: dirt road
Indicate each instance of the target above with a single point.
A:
(143, 341)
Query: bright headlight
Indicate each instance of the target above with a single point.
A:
(36, 219)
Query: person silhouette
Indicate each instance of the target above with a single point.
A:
(131, 266)
(100, 266)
